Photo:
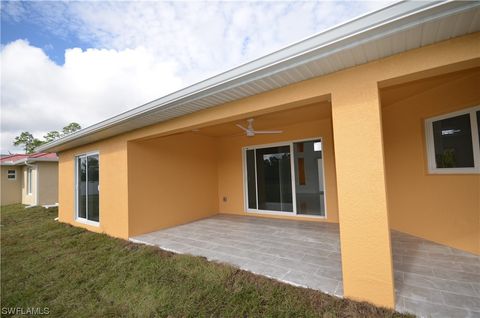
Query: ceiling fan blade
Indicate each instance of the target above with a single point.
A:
(241, 127)
(268, 131)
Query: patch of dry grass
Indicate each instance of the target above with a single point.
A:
(77, 273)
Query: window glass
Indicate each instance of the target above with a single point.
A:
(274, 179)
(453, 142)
(11, 174)
(82, 187)
(92, 188)
(301, 171)
(88, 187)
(29, 180)
(286, 178)
(309, 187)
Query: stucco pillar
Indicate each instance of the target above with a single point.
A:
(363, 217)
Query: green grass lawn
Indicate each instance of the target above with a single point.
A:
(76, 273)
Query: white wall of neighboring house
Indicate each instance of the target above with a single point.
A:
(11, 190)
(29, 198)
(44, 183)
(47, 174)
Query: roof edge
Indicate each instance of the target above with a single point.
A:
(348, 30)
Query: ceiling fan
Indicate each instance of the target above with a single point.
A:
(250, 132)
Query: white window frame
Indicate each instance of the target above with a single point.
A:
(294, 213)
(432, 165)
(75, 186)
(29, 180)
(10, 174)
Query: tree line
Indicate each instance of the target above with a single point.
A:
(29, 143)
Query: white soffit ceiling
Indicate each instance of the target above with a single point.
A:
(394, 29)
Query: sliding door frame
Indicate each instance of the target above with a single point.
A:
(77, 218)
(289, 143)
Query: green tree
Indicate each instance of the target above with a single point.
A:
(28, 142)
(36, 142)
(51, 136)
(70, 128)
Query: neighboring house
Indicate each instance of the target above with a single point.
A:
(29, 179)
(386, 101)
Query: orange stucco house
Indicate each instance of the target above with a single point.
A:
(375, 128)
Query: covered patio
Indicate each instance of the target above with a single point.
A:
(244, 198)
(430, 279)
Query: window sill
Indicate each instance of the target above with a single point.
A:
(87, 222)
(454, 171)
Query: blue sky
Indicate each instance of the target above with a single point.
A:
(87, 61)
(54, 46)
(16, 26)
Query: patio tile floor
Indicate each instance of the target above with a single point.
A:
(431, 280)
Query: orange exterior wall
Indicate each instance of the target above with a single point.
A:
(358, 261)
(172, 180)
(444, 208)
(113, 186)
(230, 166)
(364, 230)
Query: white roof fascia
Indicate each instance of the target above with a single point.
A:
(367, 28)
(7, 163)
(26, 161)
(29, 160)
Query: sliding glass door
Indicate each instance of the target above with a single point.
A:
(285, 178)
(309, 187)
(274, 179)
(87, 187)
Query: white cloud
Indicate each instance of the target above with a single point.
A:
(38, 95)
(152, 48)
(203, 37)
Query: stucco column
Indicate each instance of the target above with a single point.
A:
(363, 217)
